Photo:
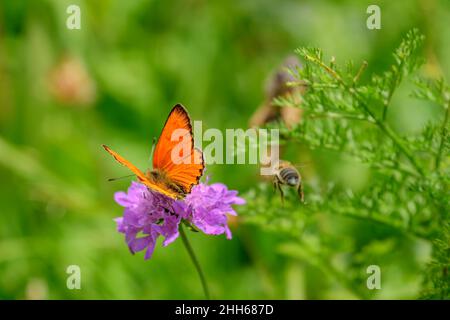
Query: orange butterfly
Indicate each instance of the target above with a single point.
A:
(174, 179)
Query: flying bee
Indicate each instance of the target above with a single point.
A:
(286, 174)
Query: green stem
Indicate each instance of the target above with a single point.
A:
(394, 84)
(391, 134)
(443, 135)
(338, 115)
(360, 72)
(195, 261)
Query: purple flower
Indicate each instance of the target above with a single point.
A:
(148, 215)
(208, 206)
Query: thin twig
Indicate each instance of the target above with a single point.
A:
(195, 261)
(443, 135)
(360, 71)
(335, 115)
(394, 84)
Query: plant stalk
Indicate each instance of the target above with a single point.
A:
(195, 261)
(443, 135)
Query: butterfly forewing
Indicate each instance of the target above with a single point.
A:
(175, 154)
(140, 175)
(177, 165)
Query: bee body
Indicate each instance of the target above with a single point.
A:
(289, 176)
(286, 174)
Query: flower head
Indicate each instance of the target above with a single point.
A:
(148, 215)
(208, 206)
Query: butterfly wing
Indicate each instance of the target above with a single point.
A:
(186, 171)
(140, 175)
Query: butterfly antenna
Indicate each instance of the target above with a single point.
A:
(127, 176)
(153, 149)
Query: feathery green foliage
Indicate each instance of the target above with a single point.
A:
(407, 190)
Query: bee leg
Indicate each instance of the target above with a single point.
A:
(281, 193)
(300, 193)
(277, 185)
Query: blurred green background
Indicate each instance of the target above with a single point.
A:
(65, 92)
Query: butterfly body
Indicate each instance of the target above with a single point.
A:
(160, 178)
(177, 165)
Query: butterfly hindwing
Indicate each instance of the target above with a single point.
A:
(188, 175)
